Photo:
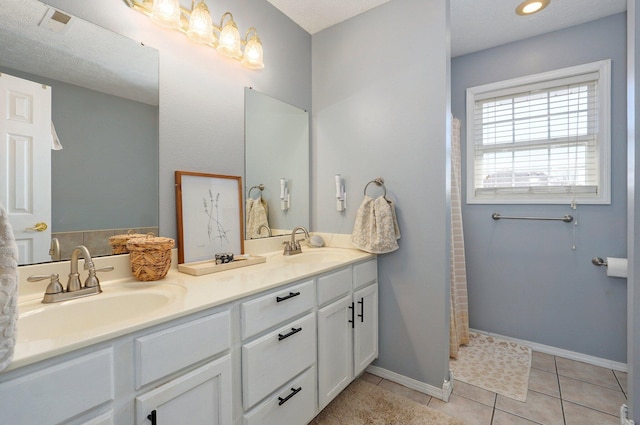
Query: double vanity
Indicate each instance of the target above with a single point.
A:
(271, 343)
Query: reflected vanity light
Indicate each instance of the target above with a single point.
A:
(530, 7)
(198, 26)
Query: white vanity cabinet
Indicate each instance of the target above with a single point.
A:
(273, 356)
(347, 327)
(278, 363)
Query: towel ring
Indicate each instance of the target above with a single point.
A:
(379, 182)
(260, 186)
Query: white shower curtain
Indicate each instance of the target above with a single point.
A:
(459, 321)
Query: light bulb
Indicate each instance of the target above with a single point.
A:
(200, 25)
(166, 13)
(253, 56)
(229, 43)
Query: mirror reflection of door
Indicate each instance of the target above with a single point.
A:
(25, 164)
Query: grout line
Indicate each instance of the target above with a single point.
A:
(564, 417)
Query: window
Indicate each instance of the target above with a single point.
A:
(544, 138)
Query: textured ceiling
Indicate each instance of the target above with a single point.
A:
(85, 55)
(475, 24)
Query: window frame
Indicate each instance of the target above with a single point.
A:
(546, 79)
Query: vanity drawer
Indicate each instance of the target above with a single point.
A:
(169, 350)
(59, 392)
(262, 313)
(365, 273)
(294, 403)
(272, 360)
(334, 285)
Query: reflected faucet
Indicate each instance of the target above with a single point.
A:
(54, 250)
(292, 247)
(264, 226)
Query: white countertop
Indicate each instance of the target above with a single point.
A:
(192, 294)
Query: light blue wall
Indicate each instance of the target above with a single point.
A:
(524, 279)
(380, 103)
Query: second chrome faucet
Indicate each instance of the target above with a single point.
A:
(292, 246)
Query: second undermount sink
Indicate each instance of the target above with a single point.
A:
(315, 255)
(117, 304)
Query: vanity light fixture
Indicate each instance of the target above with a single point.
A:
(529, 7)
(198, 26)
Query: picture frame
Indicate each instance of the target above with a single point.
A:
(209, 215)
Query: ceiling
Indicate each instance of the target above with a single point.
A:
(475, 24)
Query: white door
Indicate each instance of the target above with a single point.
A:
(25, 164)
(202, 396)
(335, 349)
(365, 338)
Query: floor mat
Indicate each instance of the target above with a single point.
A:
(494, 364)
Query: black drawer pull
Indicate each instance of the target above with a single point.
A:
(352, 321)
(361, 315)
(291, 295)
(152, 417)
(294, 391)
(293, 331)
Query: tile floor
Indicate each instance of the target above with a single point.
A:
(561, 392)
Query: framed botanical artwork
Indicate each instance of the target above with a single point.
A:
(209, 213)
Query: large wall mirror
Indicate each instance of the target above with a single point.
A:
(276, 166)
(104, 108)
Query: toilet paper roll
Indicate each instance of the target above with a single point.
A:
(616, 267)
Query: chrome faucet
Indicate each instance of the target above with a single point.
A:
(264, 226)
(292, 247)
(55, 292)
(73, 284)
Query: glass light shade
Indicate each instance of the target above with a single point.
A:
(166, 13)
(200, 25)
(253, 58)
(229, 43)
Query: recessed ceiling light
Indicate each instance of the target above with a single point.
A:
(531, 6)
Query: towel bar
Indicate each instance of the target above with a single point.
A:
(567, 218)
(379, 182)
(260, 186)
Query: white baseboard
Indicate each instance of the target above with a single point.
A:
(572, 355)
(439, 393)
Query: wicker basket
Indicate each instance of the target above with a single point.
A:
(119, 242)
(150, 257)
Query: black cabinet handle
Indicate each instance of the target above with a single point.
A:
(361, 315)
(291, 295)
(293, 331)
(294, 391)
(353, 319)
(152, 417)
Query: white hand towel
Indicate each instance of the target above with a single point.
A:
(8, 290)
(376, 228)
(256, 217)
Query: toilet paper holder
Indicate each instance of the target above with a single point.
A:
(597, 261)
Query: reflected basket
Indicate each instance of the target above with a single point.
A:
(119, 242)
(150, 257)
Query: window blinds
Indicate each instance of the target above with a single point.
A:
(540, 140)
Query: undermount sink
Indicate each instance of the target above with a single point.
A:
(117, 304)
